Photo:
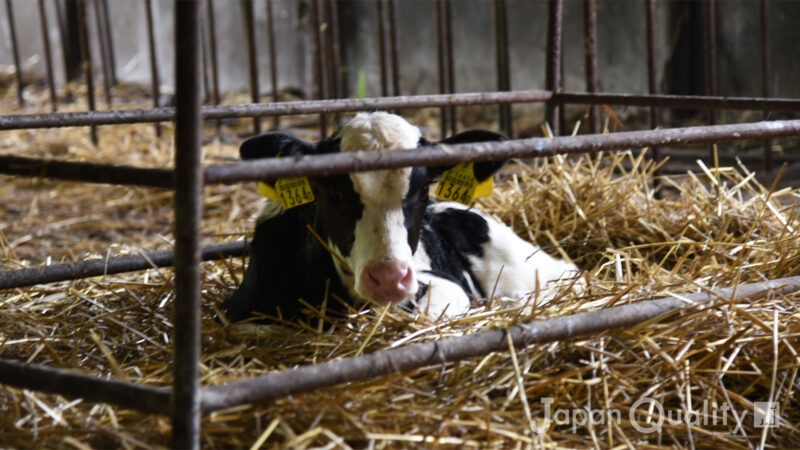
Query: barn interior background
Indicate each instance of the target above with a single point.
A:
(638, 229)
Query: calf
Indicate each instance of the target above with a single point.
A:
(376, 236)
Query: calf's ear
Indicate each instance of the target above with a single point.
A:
(483, 170)
(272, 145)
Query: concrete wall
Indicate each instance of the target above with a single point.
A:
(131, 47)
(621, 41)
(740, 48)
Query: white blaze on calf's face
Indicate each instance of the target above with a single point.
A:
(380, 235)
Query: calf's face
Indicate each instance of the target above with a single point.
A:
(371, 221)
(373, 240)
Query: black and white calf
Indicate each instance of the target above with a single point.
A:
(391, 243)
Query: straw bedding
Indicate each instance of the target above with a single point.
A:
(716, 227)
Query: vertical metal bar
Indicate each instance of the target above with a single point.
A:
(48, 57)
(449, 62)
(332, 51)
(252, 57)
(86, 50)
(711, 61)
(652, 69)
(110, 39)
(711, 50)
(439, 18)
(188, 215)
(766, 76)
(393, 56)
(212, 37)
(273, 67)
(444, 45)
(553, 65)
(382, 48)
(590, 59)
(102, 37)
(12, 31)
(61, 21)
(70, 48)
(652, 83)
(319, 64)
(151, 43)
(204, 50)
(503, 70)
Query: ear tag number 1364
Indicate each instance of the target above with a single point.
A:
(460, 185)
(290, 192)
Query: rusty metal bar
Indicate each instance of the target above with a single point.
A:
(61, 21)
(102, 38)
(652, 69)
(414, 356)
(10, 279)
(766, 60)
(590, 60)
(12, 31)
(48, 57)
(54, 120)
(679, 101)
(449, 64)
(83, 171)
(273, 65)
(212, 38)
(204, 47)
(393, 55)
(110, 39)
(711, 52)
(440, 64)
(503, 64)
(86, 50)
(442, 351)
(711, 61)
(252, 57)
(332, 164)
(188, 216)
(88, 387)
(270, 109)
(86, 118)
(766, 75)
(332, 57)
(151, 45)
(553, 64)
(319, 64)
(382, 47)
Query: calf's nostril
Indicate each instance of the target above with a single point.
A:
(372, 278)
(405, 280)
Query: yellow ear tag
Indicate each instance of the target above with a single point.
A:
(290, 192)
(484, 188)
(460, 185)
(268, 191)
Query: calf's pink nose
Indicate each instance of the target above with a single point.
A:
(387, 283)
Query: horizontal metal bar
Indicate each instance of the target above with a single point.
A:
(333, 164)
(84, 118)
(72, 119)
(415, 356)
(680, 101)
(88, 387)
(307, 378)
(53, 120)
(90, 172)
(96, 267)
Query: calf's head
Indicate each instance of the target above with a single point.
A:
(370, 220)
